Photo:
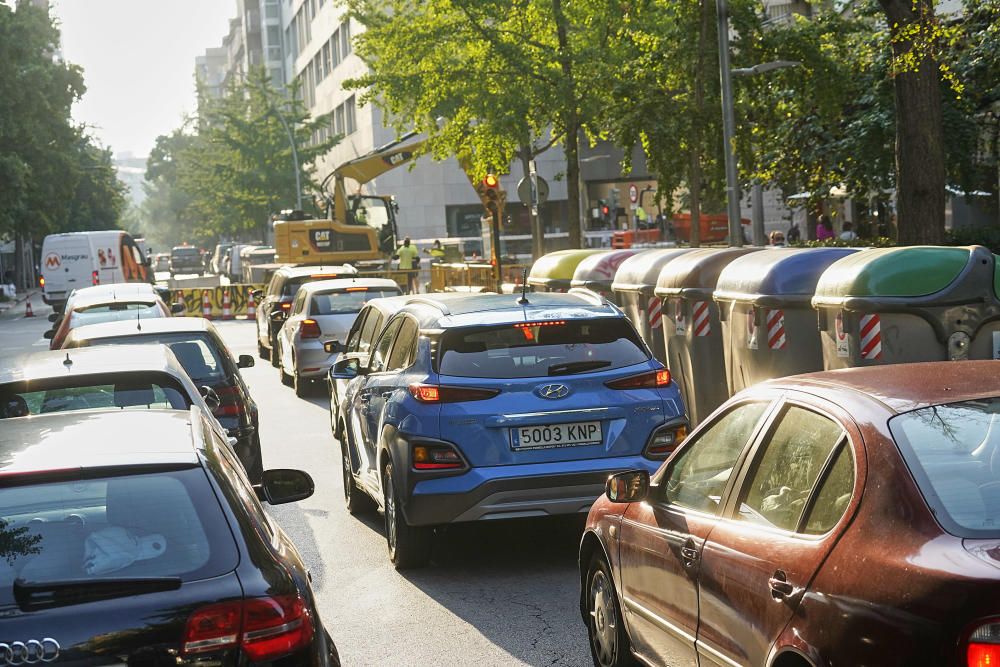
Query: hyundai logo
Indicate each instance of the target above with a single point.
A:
(31, 652)
(553, 391)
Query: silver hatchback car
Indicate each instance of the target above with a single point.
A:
(322, 313)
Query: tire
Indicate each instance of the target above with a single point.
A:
(303, 388)
(286, 379)
(262, 351)
(275, 358)
(609, 642)
(409, 546)
(356, 500)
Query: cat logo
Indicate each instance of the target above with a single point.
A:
(52, 261)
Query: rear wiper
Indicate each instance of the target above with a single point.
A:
(33, 595)
(571, 367)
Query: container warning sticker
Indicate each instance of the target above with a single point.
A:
(680, 324)
(655, 314)
(842, 348)
(752, 329)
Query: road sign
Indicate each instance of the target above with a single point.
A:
(633, 193)
(524, 191)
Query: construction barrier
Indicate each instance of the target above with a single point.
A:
(467, 277)
(222, 302)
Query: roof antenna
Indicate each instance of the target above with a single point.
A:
(523, 301)
(138, 317)
(67, 361)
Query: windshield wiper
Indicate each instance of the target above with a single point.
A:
(571, 367)
(33, 595)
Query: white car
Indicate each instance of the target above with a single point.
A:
(323, 312)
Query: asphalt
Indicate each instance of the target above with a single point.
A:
(498, 593)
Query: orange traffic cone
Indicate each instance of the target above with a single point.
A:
(227, 306)
(27, 309)
(206, 305)
(251, 306)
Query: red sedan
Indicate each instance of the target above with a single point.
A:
(841, 518)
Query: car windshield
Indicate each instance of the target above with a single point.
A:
(100, 529)
(954, 453)
(113, 312)
(350, 301)
(197, 352)
(540, 349)
(125, 391)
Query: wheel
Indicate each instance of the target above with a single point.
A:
(409, 546)
(262, 351)
(302, 387)
(609, 643)
(275, 358)
(356, 500)
(286, 379)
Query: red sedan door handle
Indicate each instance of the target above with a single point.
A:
(689, 554)
(779, 585)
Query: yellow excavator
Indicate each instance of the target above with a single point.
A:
(357, 228)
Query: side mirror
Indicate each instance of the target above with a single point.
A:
(178, 308)
(53, 317)
(48, 335)
(333, 347)
(627, 487)
(211, 398)
(278, 316)
(245, 361)
(284, 485)
(346, 369)
(258, 294)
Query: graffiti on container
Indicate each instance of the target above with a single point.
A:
(193, 299)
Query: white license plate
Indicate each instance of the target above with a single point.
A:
(556, 435)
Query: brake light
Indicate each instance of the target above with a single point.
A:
(95, 278)
(309, 328)
(432, 393)
(265, 628)
(41, 281)
(436, 457)
(983, 649)
(648, 380)
(230, 404)
(286, 306)
(356, 289)
(528, 325)
(318, 276)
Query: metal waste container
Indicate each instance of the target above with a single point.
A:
(768, 323)
(634, 285)
(917, 303)
(597, 272)
(692, 333)
(554, 272)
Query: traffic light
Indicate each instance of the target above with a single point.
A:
(604, 210)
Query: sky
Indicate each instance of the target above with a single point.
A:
(138, 62)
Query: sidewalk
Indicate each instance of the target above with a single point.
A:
(9, 309)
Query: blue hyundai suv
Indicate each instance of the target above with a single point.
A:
(493, 406)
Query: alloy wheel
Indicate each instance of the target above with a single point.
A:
(603, 619)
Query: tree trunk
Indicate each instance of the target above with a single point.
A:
(694, 177)
(537, 238)
(571, 125)
(920, 155)
(694, 197)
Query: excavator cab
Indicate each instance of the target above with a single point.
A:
(376, 212)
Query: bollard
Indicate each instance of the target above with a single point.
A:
(227, 308)
(206, 305)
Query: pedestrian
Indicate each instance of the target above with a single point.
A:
(848, 233)
(777, 238)
(409, 261)
(824, 228)
(794, 233)
(436, 252)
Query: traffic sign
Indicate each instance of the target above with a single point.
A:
(524, 191)
(633, 193)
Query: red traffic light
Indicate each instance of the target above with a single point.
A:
(491, 181)
(605, 210)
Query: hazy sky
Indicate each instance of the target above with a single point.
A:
(138, 61)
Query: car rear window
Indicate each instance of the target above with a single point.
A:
(292, 285)
(111, 527)
(540, 349)
(198, 354)
(113, 312)
(350, 301)
(125, 391)
(185, 252)
(954, 453)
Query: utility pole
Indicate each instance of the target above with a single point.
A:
(728, 127)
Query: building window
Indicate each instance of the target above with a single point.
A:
(338, 120)
(325, 54)
(276, 78)
(345, 39)
(350, 112)
(334, 45)
(272, 10)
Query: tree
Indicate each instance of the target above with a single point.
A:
(487, 79)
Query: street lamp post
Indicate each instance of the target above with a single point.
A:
(295, 158)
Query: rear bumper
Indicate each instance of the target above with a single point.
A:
(516, 491)
(312, 361)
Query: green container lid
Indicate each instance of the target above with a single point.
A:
(910, 271)
(558, 267)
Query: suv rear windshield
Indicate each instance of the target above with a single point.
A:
(350, 301)
(198, 354)
(185, 252)
(292, 285)
(114, 312)
(110, 528)
(954, 453)
(540, 349)
(126, 391)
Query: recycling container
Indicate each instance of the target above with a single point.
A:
(597, 272)
(691, 330)
(554, 272)
(917, 303)
(768, 323)
(634, 285)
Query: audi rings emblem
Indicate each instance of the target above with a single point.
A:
(31, 652)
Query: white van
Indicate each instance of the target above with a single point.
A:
(83, 259)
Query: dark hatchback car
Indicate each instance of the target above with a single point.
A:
(135, 538)
(841, 518)
(186, 259)
(198, 346)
